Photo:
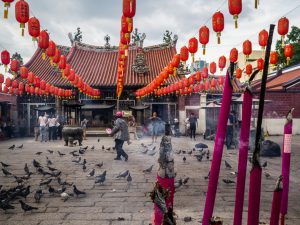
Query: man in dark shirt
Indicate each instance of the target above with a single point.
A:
(193, 124)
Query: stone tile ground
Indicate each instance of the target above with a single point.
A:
(103, 205)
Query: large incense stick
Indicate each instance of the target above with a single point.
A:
(277, 195)
(218, 148)
(255, 174)
(286, 160)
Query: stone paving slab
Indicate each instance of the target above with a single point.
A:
(103, 204)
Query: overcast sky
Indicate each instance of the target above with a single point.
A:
(96, 18)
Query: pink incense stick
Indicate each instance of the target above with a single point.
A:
(243, 158)
(274, 219)
(286, 161)
(218, 150)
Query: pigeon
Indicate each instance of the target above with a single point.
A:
(101, 178)
(234, 173)
(207, 155)
(178, 152)
(75, 155)
(51, 190)
(51, 168)
(26, 207)
(75, 143)
(129, 178)
(77, 161)
(123, 175)
(227, 181)
(64, 196)
(185, 180)
(207, 177)
(190, 152)
(48, 161)
(178, 183)
(184, 159)
(148, 170)
(61, 182)
(5, 172)
(99, 164)
(25, 192)
(12, 147)
(38, 153)
(93, 147)
(38, 195)
(92, 173)
(72, 152)
(56, 174)
(4, 204)
(81, 151)
(77, 192)
(199, 157)
(183, 152)
(227, 165)
(152, 153)
(98, 139)
(103, 147)
(108, 149)
(4, 164)
(26, 177)
(19, 180)
(187, 219)
(265, 164)
(45, 182)
(84, 167)
(50, 151)
(145, 151)
(36, 164)
(267, 175)
(60, 154)
(84, 162)
(26, 169)
(20, 146)
(85, 148)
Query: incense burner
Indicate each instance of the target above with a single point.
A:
(71, 133)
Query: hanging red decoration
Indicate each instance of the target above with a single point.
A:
(221, 80)
(273, 58)
(247, 48)
(248, 69)
(43, 42)
(233, 55)
(196, 88)
(43, 85)
(126, 24)
(193, 47)
(50, 51)
(235, 8)
(56, 57)
(204, 37)
(260, 64)
(129, 8)
(22, 13)
(37, 81)
(7, 82)
(14, 66)
(288, 52)
(222, 62)
(34, 28)
(184, 54)
(207, 85)
(283, 27)
(213, 83)
(263, 38)
(204, 72)
(14, 84)
(191, 79)
(24, 72)
(1, 79)
(125, 38)
(238, 73)
(62, 63)
(5, 89)
(212, 68)
(30, 78)
(6, 6)
(21, 86)
(198, 76)
(71, 77)
(36, 91)
(67, 69)
(218, 24)
(5, 58)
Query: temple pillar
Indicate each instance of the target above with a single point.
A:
(139, 113)
(181, 114)
(58, 106)
(202, 114)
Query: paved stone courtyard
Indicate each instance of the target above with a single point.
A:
(107, 204)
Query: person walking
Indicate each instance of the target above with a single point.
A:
(231, 123)
(193, 124)
(121, 133)
(51, 126)
(155, 120)
(43, 122)
(83, 125)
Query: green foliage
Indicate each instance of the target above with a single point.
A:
(291, 38)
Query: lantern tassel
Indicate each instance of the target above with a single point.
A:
(5, 13)
(203, 49)
(235, 17)
(219, 39)
(22, 32)
(193, 57)
(288, 59)
(282, 41)
(255, 4)
(5, 67)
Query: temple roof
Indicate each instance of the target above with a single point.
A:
(98, 65)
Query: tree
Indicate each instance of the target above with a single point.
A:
(292, 38)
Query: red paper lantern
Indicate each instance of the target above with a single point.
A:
(260, 64)
(129, 8)
(36, 91)
(283, 27)
(6, 5)
(233, 55)
(22, 13)
(248, 69)
(43, 42)
(184, 54)
(43, 85)
(221, 80)
(238, 73)
(76, 80)
(263, 38)
(11, 91)
(27, 88)
(170, 68)
(198, 76)
(201, 87)
(204, 72)
(204, 37)
(30, 78)
(5, 89)
(218, 24)
(235, 8)
(273, 58)
(164, 74)
(14, 66)
(21, 87)
(5, 58)
(196, 88)
(56, 57)
(24, 72)
(47, 88)
(213, 67)
(14, 84)
(7, 82)
(193, 47)
(185, 82)
(50, 51)
(207, 85)
(191, 79)
(1, 79)
(222, 62)
(34, 28)
(62, 63)
(247, 48)
(37, 81)
(288, 52)
(213, 83)
(67, 70)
